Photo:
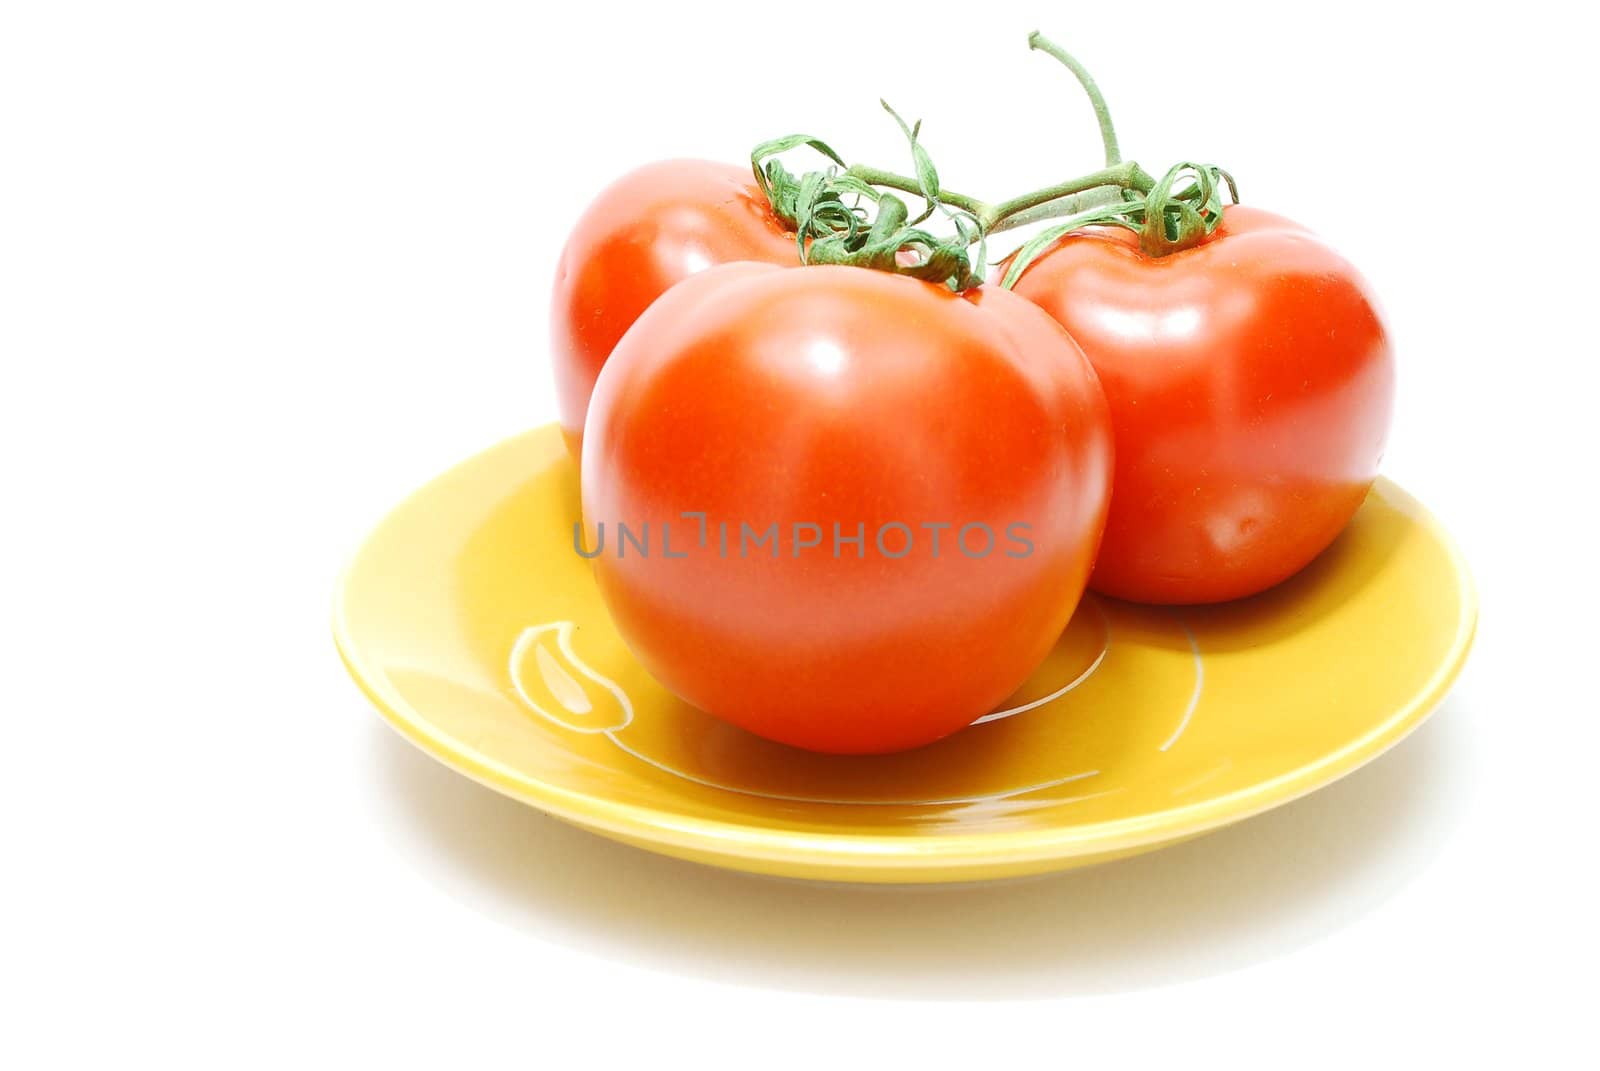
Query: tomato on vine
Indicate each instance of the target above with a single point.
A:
(1250, 381)
(652, 228)
(845, 509)
(885, 388)
(1249, 374)
(1248, 370)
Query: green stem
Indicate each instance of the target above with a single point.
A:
(876, 176)
(1123, 176)
(1062, 199)
(1102, 114)
(846, 214)
(1071, 205)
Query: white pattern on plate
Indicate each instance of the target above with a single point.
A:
(562, 685)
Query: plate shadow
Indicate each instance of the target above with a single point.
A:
(1244, 895)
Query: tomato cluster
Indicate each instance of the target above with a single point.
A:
(1175, 401)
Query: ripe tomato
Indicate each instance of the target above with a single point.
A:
(932, 469)
(1251, 383)
(650, 229)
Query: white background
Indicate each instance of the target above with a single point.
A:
(265, 267)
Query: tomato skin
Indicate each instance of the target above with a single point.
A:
(649, 230)
(1251, 384)
(844, 395)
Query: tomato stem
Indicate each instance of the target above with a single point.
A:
(1061, 199)
(1117, 177)
(877, 176)
(1108, 132)
(845, 214)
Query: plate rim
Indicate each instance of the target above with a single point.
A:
(835, 854)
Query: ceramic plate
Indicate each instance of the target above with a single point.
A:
(477, 631)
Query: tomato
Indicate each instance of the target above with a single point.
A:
(932, 470)
(650, 229)
(1250, 381)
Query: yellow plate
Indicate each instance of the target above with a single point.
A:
(471, 623)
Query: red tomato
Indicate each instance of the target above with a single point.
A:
(836, 403)
(1250, 381)
(652, 228)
